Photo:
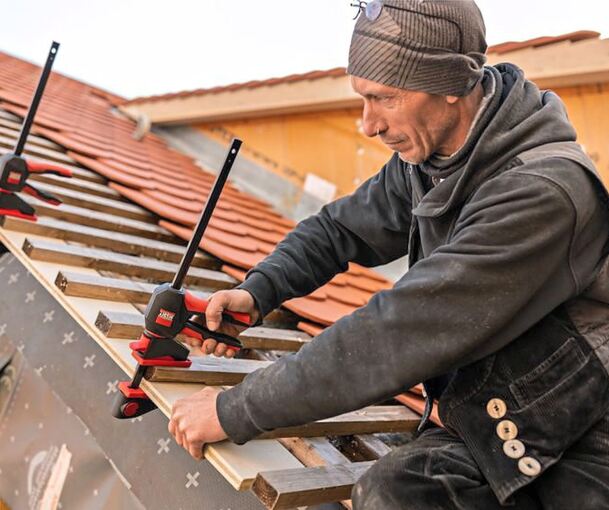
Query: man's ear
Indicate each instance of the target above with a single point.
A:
(452, 99)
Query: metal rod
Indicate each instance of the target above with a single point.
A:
(138, 376)
(195, 240)
(27, 123)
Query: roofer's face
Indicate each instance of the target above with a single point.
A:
(415, 124)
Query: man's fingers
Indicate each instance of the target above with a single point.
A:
(230, 353)
(171, 427)
(196, 450)
(193, 342)
(220, 350)
(209, 345)
(179, 436)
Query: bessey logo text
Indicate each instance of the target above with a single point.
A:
(165, 317)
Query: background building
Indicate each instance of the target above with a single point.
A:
(303, 132)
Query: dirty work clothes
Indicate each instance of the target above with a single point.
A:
(517, 229)
(438, 472)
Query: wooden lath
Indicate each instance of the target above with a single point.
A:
(292, 488)
(128, 265)
(99, 238)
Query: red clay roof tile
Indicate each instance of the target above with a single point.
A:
(417, 404)
(236, 273)
(326, 312)
(109, 173)
(310, 328)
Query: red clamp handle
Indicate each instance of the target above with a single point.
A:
(46, 168)
(41, 195)
(195, 304)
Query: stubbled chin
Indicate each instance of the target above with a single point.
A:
(404, 157)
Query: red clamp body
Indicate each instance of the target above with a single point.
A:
(170, 312)
(14, 172)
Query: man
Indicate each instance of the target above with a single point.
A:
(503, 311)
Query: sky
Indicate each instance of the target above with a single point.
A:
(144, 47)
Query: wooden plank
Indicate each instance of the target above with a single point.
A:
(210, 370)
(83, 216)
(292, 488)
(313, 451)
(370, 420)
(104, 260)
(99, 238)
(238, 464)
(77, 184)
(98, 287)
(96, 203)
(316, 452)
(131, 325)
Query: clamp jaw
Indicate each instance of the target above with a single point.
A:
(170, 312)
(14, 172)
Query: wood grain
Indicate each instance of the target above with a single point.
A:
(104, 260)
(292, 488)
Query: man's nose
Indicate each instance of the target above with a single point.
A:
(372, 124)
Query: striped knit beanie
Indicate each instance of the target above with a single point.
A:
(434, 46)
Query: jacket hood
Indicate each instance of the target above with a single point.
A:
(519, 117)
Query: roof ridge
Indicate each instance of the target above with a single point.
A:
(503, 47)
(290, 78)
(508, 46)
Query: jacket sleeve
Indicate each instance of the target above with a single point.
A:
(369, 227)
(464, 301)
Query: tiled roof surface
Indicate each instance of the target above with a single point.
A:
(243, 229)
(337, 72)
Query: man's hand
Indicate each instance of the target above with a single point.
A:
(236, 300)
(194, 421)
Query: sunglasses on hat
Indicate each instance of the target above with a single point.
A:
(372, 9)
